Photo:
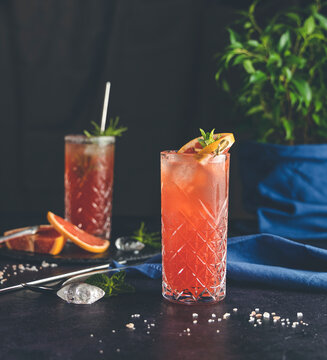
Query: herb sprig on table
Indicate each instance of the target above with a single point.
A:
(113, 285)
(142, 235)
(112, 130)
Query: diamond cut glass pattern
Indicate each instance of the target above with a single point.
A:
(89, 166)
(194, 227)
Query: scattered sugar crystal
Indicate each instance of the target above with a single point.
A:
(118, 350)
(266, 315)
(54, 265)
(188, 330)
(219, 319)
(213, 315)
(276, 318)
(45, 264)
(235, 309)
(195, 321)
(226, 316)
(218, 331)
(195, 315)
(211, 320)
(101, 351)
(130, 326)
(253, 313)
(299, 315)
(256, 310)
(258, 316)
(91, 335)
(113, 331)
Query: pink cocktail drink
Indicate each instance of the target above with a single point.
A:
(89, 169)
(194, 205)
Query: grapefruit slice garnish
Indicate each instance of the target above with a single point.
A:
(221, 146)
(79, 237)
(46, 241)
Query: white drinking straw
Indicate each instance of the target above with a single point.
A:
(105, 107)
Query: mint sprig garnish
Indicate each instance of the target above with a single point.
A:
(112, 130)
(207, 138)
(147, 238)
(112, 286)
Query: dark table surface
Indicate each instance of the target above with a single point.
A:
(38, 326)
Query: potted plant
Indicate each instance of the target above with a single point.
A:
(276, 71)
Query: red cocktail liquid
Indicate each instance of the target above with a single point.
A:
(194, 204)
(89, 165)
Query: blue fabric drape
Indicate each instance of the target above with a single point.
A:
(266, 260)
(287, 187)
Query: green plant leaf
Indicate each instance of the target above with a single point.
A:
(239, 59)
(318, 105)
(274, 58)
(232, 36)
(294, 16)
(248, 66)
(254, 43)
(254, 110)
(295, 60)
(316, 119)
(284, 41)
(304, 89)
(309, 25)
(288, 127)
(322, 20)
(288, 73)
(257, 77)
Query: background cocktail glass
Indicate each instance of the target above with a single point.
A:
(89, 169)
(194, 209)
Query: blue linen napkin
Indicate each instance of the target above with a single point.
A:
(287, 187)
(267, 260)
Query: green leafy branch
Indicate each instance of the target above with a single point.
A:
(151, 239)
(282, 88)
(112, 286)
(112, 130)
(207, 138)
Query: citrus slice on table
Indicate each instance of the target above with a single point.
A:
(79, 237)
(46, 241)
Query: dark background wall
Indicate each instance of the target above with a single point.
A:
(55, 56)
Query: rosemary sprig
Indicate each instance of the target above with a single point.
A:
(151, 239)
(112, 130)
(207, 138)
(113, 285)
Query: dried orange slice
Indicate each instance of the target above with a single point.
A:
(79, 237)
(46, 241)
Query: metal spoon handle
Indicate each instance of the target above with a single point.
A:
(28, 231)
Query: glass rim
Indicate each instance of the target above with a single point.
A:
(83, 139)
(174, 153)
